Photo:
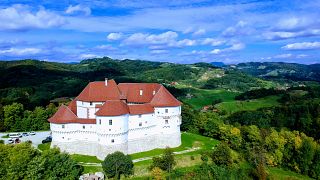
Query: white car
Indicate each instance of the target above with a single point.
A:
(10, 141)
(15, 135)
(32, 133)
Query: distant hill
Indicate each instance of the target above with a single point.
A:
(218, 64)
(280, 70)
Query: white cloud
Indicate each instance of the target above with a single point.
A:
(213, 42)
(114, 36)
(233, 46)
(20, 51)
(88, 56)
(286, 35)
(181, 43)
(78, 9)
(302, 46)
(199, 32)
(240, 28)
(146, 39)
(159, 51)
(20, 17)
(283, 56)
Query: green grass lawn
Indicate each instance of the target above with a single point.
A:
(234, 106)
(85, 158)
(280, 174)
(204, 97)
(188, 141)
(5, 136)
(44, 147)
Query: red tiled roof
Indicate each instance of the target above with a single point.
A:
(113, 108)
(140, 109)
(99, 92)
(73, 106)
(163, 98)
(132, 91)
(64, 116)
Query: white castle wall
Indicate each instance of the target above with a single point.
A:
(157, 130)
(84, 109)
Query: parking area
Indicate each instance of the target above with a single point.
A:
(35, 139)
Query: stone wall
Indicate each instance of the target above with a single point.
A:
(133, 146)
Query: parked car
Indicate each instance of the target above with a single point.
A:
(10, 141)
(15, 135)
(32, 133)
(25, 134)
(48, 139)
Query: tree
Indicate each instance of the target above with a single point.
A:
(165, 162)
(221, 155)
(54, 165)
(116, 164)
(13, 117)
(157, 173)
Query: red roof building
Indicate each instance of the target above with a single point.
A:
(106, 98)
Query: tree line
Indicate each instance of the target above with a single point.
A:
(14, 118)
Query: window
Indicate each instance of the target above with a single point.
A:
(110, 122)
(83, 127)
(166, 110)
(112, 140)
(63, 126)
(141, 92)
(140, 123)
(139, 115)
(166, 121)
(109, 129)
(90, 103)
(99, 121)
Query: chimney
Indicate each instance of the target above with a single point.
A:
(106, 81)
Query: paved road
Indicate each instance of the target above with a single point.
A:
(36, 139)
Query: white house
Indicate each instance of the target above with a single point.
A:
(128, 117)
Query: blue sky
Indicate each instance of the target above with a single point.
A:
(174, 31)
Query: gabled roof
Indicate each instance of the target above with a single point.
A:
(163, 98)
(64, 116)
(73, 106)
(131, 91)
(99, 92)
(140, 109)
(113, 108)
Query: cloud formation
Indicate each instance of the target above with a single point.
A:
(20, 17)
(78, 9)
(302, 46)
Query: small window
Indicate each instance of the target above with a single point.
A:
(109, 129)
(140, 123)
(83, 127)
(166, 121)
(99, 121)
(141, 92)
(63, 126)
(90, 103)
(139, 115)
(112, 140)
(110, 122)
(166, 110)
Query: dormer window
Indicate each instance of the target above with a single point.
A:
(141, 92)
(153, 92)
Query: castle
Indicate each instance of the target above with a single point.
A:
(128, 117)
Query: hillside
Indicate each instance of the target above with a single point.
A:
(35, 83)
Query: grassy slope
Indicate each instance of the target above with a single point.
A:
(203, 97)
(280, 174)
(234, 106)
